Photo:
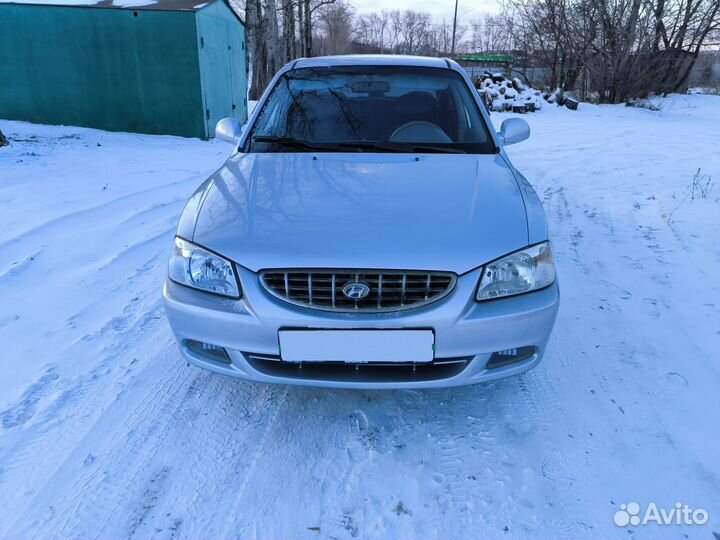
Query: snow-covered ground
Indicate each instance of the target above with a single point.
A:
(106, 433)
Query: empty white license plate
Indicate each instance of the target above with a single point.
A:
(357, 346)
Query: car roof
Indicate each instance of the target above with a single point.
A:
(371, 60)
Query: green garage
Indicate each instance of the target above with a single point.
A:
(148, 66)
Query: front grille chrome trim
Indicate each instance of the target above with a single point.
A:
(391, 290)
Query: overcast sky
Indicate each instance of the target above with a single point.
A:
(467, 9)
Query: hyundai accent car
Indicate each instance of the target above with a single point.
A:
(367, 231)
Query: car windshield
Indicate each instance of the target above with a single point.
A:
(370, 109)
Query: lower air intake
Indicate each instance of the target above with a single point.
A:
(440, 368)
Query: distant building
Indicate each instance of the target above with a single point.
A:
(706, 71)
(477, 64)
(149, 66)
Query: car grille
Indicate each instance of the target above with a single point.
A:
(440, 368)
(388, 290)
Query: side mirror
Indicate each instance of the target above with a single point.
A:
(229, 130)
(514, 130)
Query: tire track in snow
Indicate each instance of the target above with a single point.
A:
(216, 456)
(450, 415)
(221, 431)
(78, 219)
(582, 516)
(99, 376)
(90, 478)
(233, 528)
(64, 419)
(146, 276)
(25, 408)
(599, 373)
(136, 320)
(537, 390)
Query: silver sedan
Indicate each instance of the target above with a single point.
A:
(368, 231)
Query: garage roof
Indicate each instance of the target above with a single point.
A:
(159, 5)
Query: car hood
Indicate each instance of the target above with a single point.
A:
(383, 211)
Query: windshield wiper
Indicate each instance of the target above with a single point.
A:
(359, 146)
(431, 149)
(291, 142)
(402, 147)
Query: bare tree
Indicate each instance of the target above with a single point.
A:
(412, 29)
(307, 28)
(278, 31)
(289, 30)
(406, 32)
(700, 19)
(614, 49)
(256, 44)
(273, 38)
(618, 48)
(336, 21)
(490, 34)
(371, 31)
(309, 9)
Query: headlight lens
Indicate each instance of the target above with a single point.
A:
(526, 270)
(196, 267)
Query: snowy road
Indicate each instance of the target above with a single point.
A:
(105, 433)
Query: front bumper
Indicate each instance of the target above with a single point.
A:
(248, 329)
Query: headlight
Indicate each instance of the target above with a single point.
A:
(196, 267)
(526, 270)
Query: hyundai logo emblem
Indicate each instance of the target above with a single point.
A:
(355, 290)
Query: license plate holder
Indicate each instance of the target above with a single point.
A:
(357, 346)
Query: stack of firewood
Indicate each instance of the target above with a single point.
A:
(502, 94)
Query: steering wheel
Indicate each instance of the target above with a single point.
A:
(419, 131)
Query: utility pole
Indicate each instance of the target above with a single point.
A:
(452, 51)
